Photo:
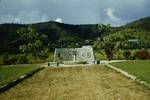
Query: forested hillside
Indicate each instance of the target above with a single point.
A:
(137, 32)
(65, 35)
(56, 32)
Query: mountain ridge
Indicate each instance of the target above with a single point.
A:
(56, 31)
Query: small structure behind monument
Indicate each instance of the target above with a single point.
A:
(71, 56)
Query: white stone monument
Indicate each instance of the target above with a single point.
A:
(74, 55)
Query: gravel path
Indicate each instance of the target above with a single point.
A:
(77, 83)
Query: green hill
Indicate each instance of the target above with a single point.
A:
(55, 32)
(119, 38)
(143, 24)
(71, 34)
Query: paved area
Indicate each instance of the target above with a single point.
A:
(107, 62)
(77, 83)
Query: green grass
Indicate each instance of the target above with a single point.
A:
(139, 68)
(11, 72)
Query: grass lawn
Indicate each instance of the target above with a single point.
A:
(139, 68)
(11, 72)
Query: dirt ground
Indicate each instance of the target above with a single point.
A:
(77, 83)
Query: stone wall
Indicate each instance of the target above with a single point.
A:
(74, 54)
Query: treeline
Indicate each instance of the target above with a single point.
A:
(39, 39)
(124, 39)
(135, 35)
(59, 35)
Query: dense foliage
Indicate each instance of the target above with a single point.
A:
(32, 42)
(144, 54)
(135, 35)
(58, 35)
(112, 42)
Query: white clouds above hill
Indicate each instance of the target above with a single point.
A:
(115, 12)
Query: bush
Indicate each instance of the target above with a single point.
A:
(4, 59)
(127, 54)
(100, 55)
(25, 58)
(50, 57)
(144, 54)
(9, 60)
(14, 59)
(22, 59)
(118, 55)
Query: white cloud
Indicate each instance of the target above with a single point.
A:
(24, 17)
(74, 11)
(110, 13)
(59, 20)
(17, 20)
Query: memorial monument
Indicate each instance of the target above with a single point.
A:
(82, 55)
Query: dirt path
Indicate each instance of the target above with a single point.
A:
(77, 83)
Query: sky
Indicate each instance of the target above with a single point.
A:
(114, 12)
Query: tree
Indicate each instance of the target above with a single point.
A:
(66, 40)
(109, 47)
(109, 54)
(104, 28)
(32, 42)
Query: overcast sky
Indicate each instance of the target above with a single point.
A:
(114, 12)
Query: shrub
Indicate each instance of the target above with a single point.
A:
(5, 59)
(1, 60)
(118, 55)
(127, 54)
(100, 55)
(22, 59)
(50, 57)
(9, 60)
(144, 54)
(14, 59)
